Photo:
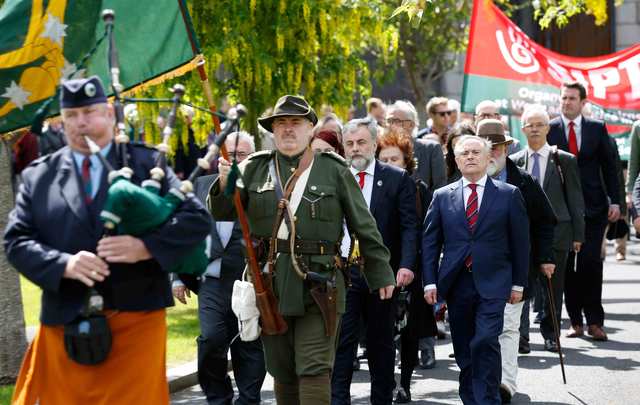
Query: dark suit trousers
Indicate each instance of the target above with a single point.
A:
(583, 286)
(379, 318)
(476, 324)
(218, 327)
(557, 282)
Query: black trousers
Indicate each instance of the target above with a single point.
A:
(218, 327)
(583, 285)
(557, 283)
(379, 319)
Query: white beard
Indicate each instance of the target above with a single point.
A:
(359, 163)
(496, 165)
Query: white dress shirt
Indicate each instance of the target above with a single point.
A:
(367, 190)
(466, 193)
(576, 127)
(544, 153)
(466, 190)
(224, 229)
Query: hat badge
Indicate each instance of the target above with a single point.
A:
(90, 89)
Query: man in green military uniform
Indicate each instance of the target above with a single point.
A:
(325, 195)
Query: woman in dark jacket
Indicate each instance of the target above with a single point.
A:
(397, 150)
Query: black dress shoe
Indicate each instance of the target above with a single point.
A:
(505, 395)
(523, 347)
(550, 345)
(427, 359)
(403, 396)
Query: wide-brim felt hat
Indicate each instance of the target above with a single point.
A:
(288, 106)
(493, 130)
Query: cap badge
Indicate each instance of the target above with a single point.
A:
(90, 89)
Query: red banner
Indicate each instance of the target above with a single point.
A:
(505, 65)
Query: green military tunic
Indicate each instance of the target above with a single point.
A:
(330, 196)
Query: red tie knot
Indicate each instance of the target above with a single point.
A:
(473, 186)
(361, 179)
(571, 124)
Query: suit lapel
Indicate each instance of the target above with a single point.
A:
(376, 187)
(457, 202)
(69, 183)
(550, 170)
(487, 200)
(561, 140)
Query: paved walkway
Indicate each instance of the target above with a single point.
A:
(597, 373)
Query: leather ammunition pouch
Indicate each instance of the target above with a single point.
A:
(87, 339)
(325, 294)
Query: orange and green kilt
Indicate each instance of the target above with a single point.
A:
(133, 373)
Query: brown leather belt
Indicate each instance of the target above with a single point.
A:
(307, 247)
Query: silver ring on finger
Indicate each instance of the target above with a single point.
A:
(94, 273)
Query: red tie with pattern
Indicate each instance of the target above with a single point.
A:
(472, 216)
(86, 179)
(361, 179)
(573, 139)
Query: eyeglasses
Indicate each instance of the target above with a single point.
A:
(238, 154)
(396, 121)
(537, 125)
(444, 113)
(483, 116)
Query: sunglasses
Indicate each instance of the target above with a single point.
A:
(444, 113)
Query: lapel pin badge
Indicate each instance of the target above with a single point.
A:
(379, 183)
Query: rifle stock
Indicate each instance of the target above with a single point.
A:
(272, 321)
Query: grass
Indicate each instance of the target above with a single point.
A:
(182, 323)
(6, 391)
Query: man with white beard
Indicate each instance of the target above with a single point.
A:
(542, 221)
(390, 194)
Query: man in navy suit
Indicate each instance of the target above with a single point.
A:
(390, 195)
(483, 227)
(588, 140)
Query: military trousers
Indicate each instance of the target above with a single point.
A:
(303, 351)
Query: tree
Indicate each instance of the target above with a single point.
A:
(12, 333)
(259, 50)
(427, 50)
(545, 11)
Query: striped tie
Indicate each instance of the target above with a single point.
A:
(472, 216)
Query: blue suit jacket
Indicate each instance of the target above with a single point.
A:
(393, 206)
(596, 162)
(51, 222)
(499, 245)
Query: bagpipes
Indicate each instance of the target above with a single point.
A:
(136, 210)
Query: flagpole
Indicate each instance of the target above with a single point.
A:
(272, 321)
(204, 80)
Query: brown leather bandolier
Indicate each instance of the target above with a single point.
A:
(322, 289)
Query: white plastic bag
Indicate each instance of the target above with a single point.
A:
(243, 304)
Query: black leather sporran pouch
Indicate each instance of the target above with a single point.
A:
(87, 339)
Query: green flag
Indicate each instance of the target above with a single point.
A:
(43, 42)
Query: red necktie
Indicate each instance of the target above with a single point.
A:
(573, 139)
(86, 179)
(472, 215)
(361, 180)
